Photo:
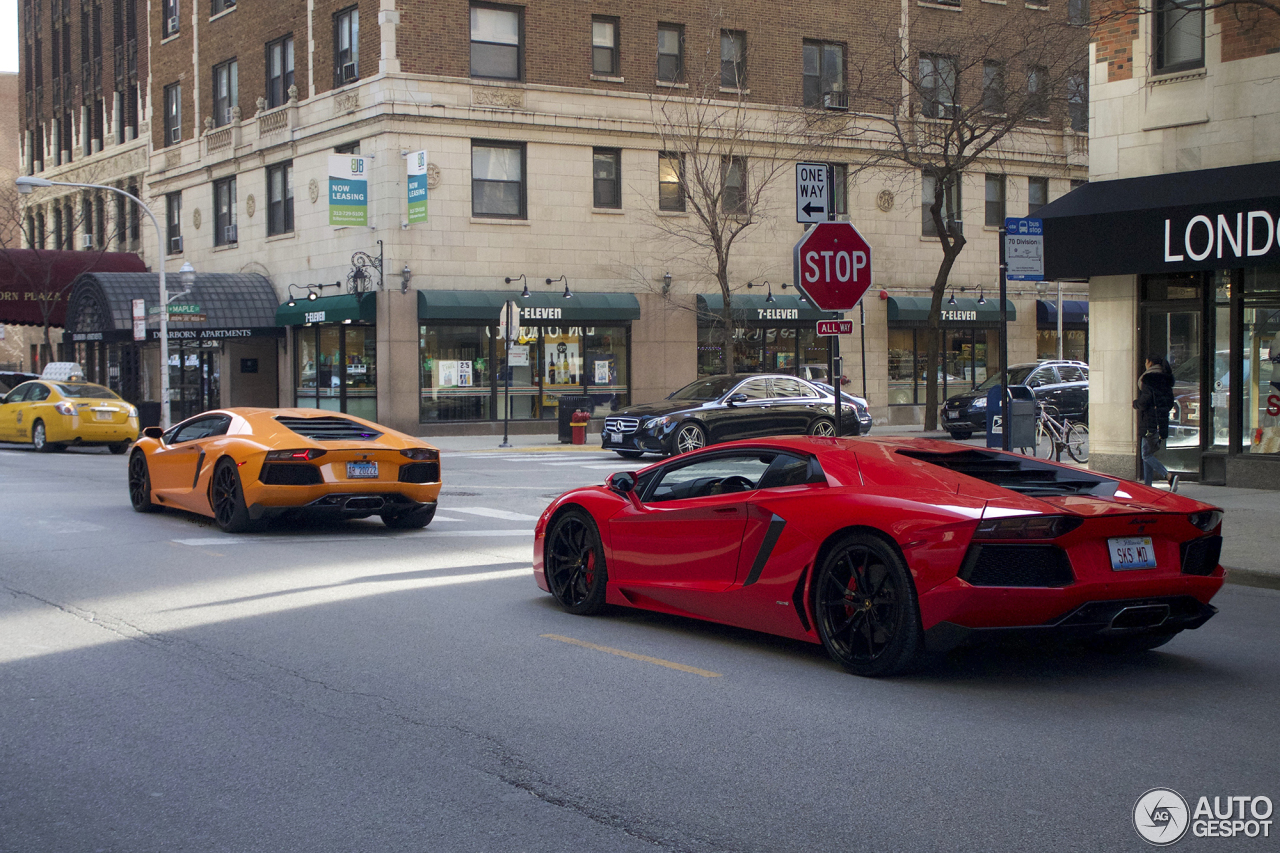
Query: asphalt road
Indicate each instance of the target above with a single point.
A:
(166, 687)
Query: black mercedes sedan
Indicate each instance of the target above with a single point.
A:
(725, 408)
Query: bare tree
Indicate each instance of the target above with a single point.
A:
(940, 101)
(720, 157)
(47, 273)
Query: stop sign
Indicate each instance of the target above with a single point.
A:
(833, 266)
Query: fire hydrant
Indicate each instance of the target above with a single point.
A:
(579, 422)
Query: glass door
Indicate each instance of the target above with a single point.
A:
(1176, 334)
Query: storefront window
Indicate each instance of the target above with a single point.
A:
(964, 354)
(463, 376)
(1075, 344)
(1176, 335)
(455, 373)
(337, 369)
(757, 349)
(1261, 351)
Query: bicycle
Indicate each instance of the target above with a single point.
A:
(1053, 435)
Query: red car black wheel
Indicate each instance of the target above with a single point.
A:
(574, 561)
(866, 609)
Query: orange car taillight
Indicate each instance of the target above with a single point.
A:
(421, 454)
(294, 455)
(1027, 527)
(64, 408)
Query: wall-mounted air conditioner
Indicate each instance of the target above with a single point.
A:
(86, 241)
(229, 234)
(175, 135)
(835, 100)
(175, 245)
(172, 25)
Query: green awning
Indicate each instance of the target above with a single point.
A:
(537, 309)
(329, 309)
(914, 310)
(755, 309)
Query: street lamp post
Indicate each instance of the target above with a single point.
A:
(27, 183)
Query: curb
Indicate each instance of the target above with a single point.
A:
(1253, 578)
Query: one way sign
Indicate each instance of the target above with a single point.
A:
(813, 192)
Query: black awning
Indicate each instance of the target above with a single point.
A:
(1203, 220)
(1075, 312)
(219, 306)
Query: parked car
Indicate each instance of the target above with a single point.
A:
(242, 465)
(724, 408)
(879, 549)
(860, 407)
(13, 378)
(52, 415)
(1061, 384)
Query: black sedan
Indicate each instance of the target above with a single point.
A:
(725, 408)
(860, 408)
(1061, 384)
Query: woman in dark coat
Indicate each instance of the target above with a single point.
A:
(1155, 399)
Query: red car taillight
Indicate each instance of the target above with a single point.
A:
(1027, 527)
(1207, 521)
(294, 455)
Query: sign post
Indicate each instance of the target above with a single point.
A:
(833, 270)
(509, 331)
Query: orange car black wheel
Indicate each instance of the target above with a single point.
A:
(140, 484)
(575, 566)
(226, 498)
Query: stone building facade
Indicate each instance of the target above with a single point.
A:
(543, 159)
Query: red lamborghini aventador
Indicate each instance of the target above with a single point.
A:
(882, 548)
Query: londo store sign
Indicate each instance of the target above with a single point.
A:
(1244, 236)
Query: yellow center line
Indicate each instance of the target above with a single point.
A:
(633, 656)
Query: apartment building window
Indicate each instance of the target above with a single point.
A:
(497, 180)
(824, 75)
(495, 42)
(67, 139)
(840, 189)
(734, 199)
(670, 181)
(1078, 102)
(1077, 12)
(100, 222)
(172, 114)
(995, 210)
(279, 199)
(40, 231)
(349, 148)
(938, 77)
(135, 215)
(224, 212)
(346, 46)
(57, 228)
(173, 223)
(1037, 194)
(220, 6)
(950, 204)
(1038, 92)
(606, 177)
(279, 71)
(1179, 36)
(670, 53)
(226, 88)
(733, 59)
(122, 223)
(86, 222)
(170, 23)
(993, 86)
(604, 47)
(1077, 183)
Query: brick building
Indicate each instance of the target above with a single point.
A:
(1176, 234)
(546, 158)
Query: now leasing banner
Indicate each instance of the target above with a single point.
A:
(348, 190)
(417, 164)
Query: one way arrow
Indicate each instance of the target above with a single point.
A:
(810, 210)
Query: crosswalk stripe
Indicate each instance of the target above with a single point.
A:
(493, 513)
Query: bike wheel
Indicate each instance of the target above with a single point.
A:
(1078, 442)
(1044, 448)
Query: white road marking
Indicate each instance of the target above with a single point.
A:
(231, 539)
(493, 513)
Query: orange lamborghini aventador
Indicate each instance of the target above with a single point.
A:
(243, 465)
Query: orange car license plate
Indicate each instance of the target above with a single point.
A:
(362, 470)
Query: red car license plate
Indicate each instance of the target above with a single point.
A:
(1131, 552)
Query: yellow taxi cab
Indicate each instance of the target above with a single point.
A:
(52, 415)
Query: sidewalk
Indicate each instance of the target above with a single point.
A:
(1250, 550)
